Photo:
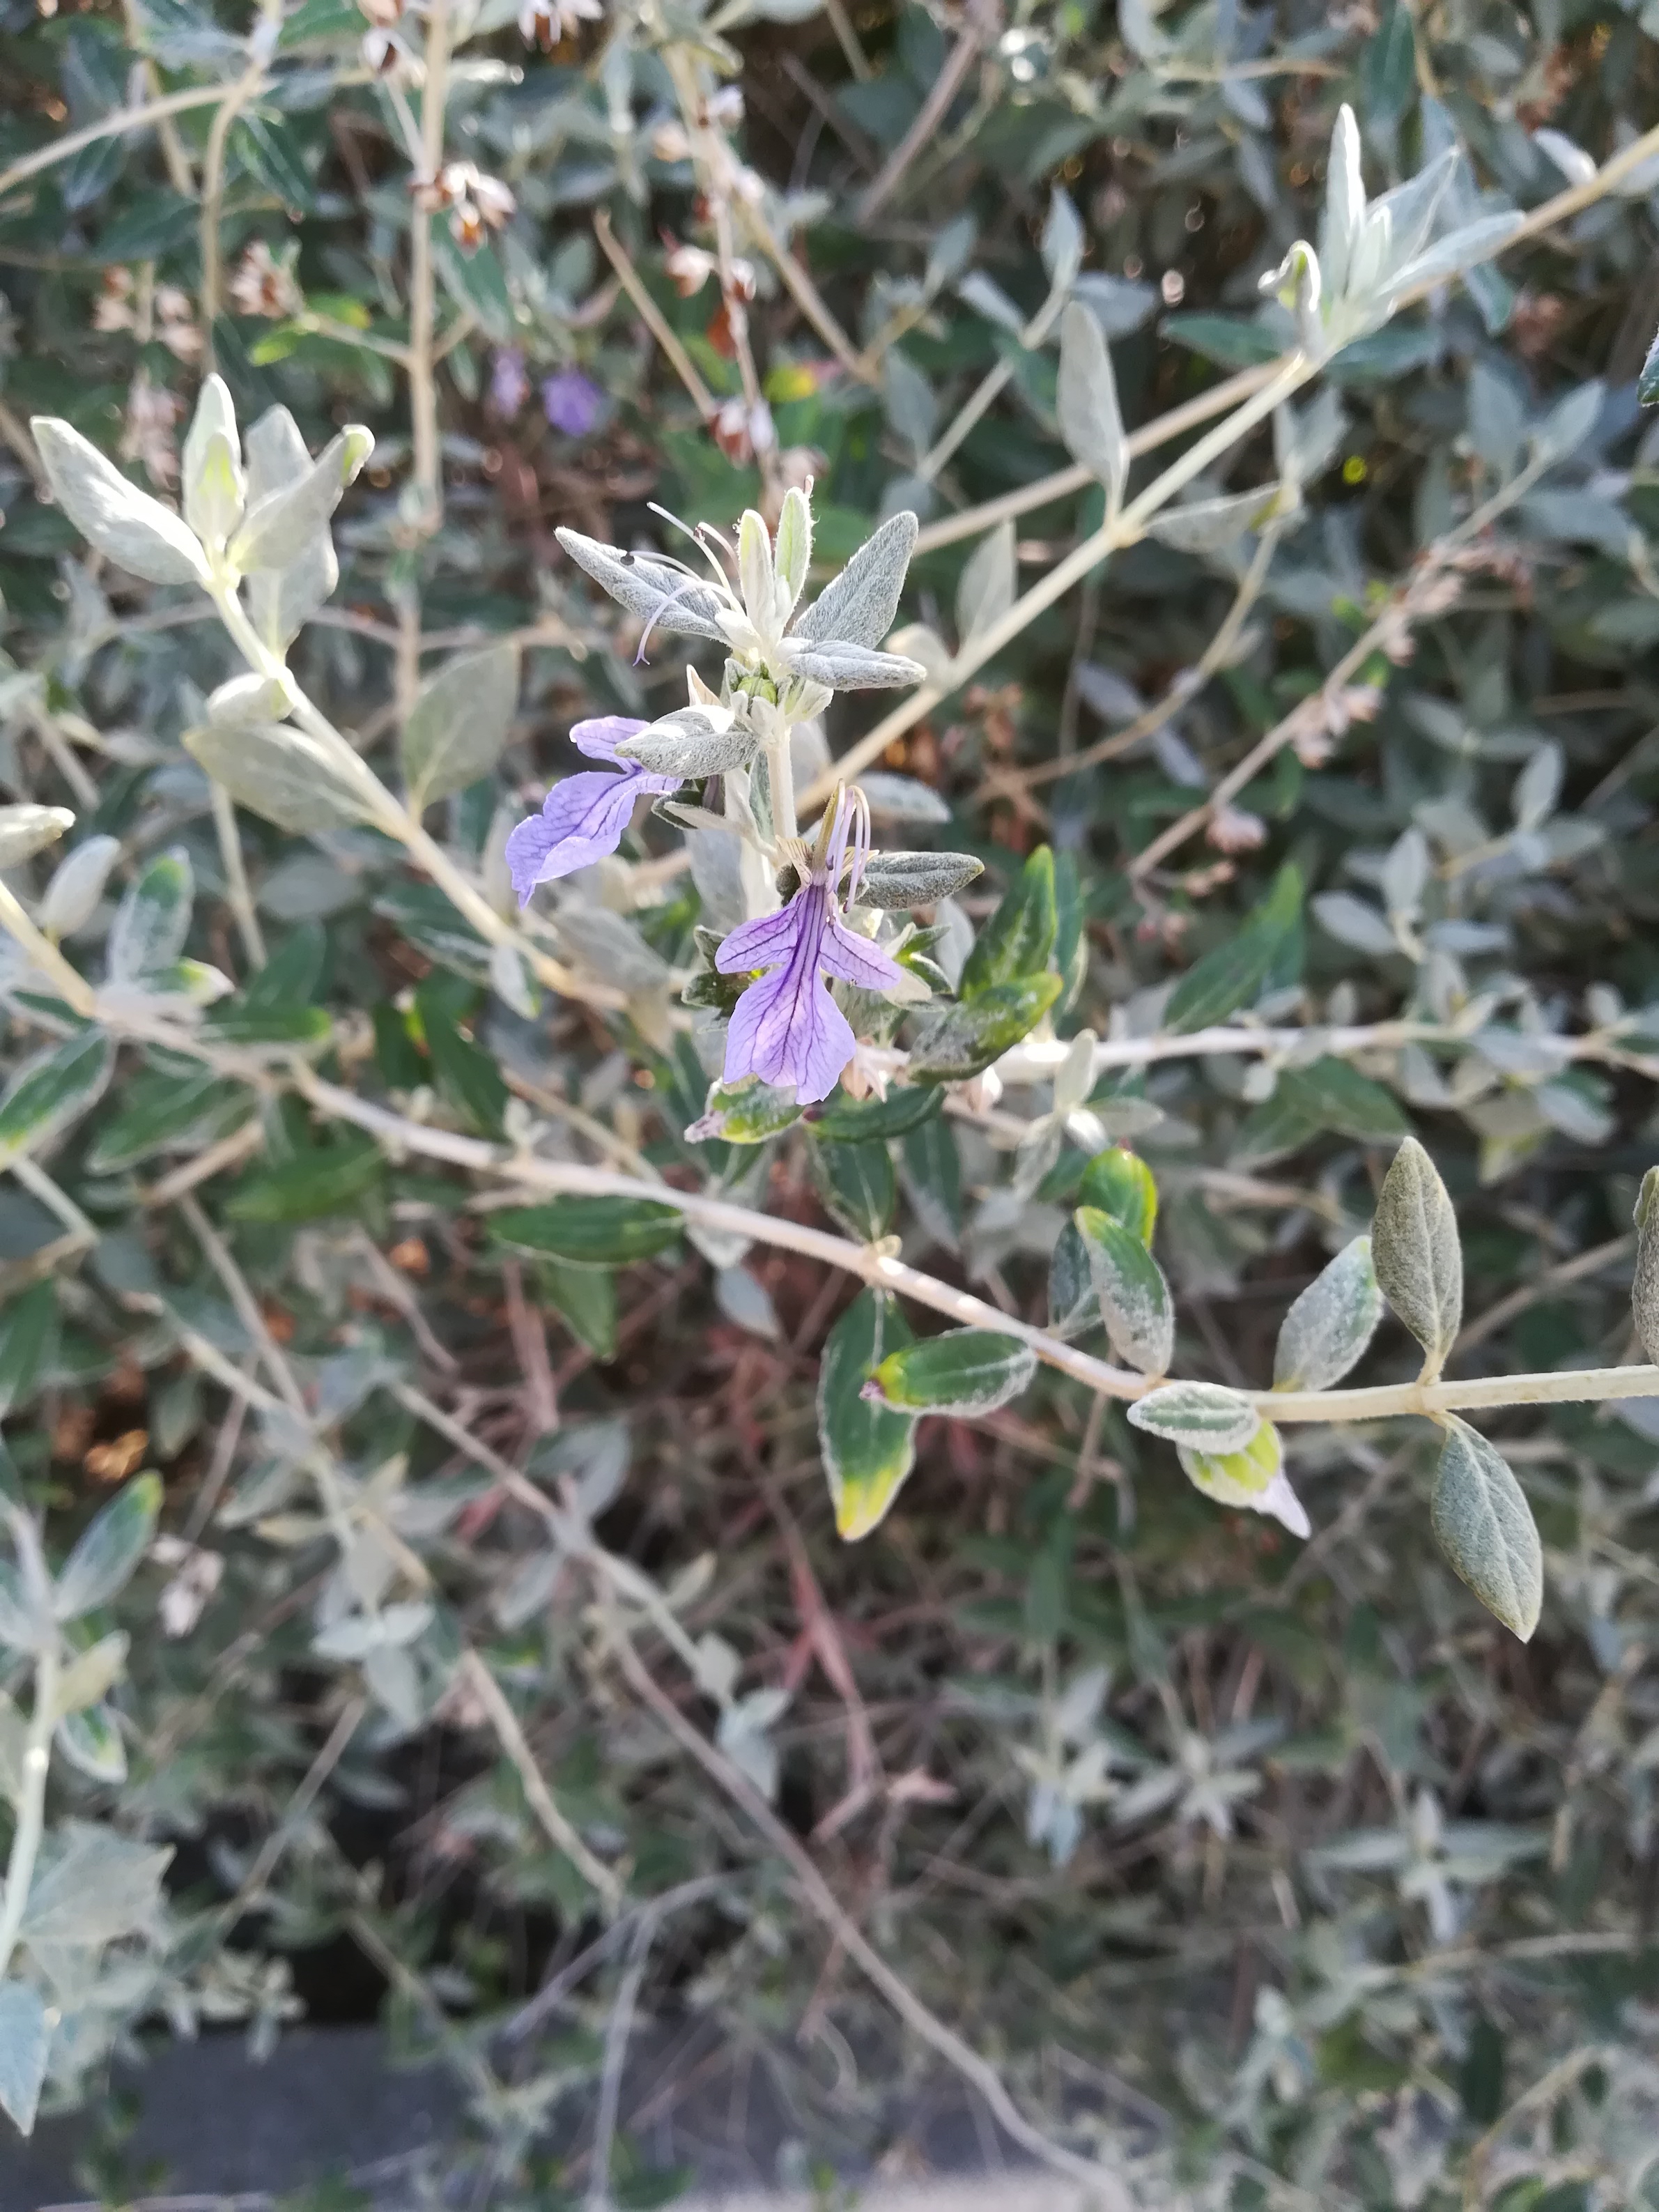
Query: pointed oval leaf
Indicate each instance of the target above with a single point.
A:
(964, 1373)
(868, 1450)
(1645, 1289)
(281, 774)
(593, 1232)
(988, 583)
(281, 528)
(1253, 1478)
(125, 524)
(894, 882)
(1091, 420)
(859, 608)
(52, 1089)
(1074, 1307)
(153, 919)
(91, 1740)
(77, 884)
(964, 1039)
(1019, 937)
(1418, 1254)
(1484, 1525)
(659, 595)
(281, 601)
(110, 1547)
(1118, 1182)
(1202, 1415)
(459, 724)
(26, 830)
(1134, 1298)
(857, 1185)
(692, 741)
(1330, 1326)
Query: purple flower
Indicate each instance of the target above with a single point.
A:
(573, 403)
(582, 818)
(786, 1028)
(509, 387)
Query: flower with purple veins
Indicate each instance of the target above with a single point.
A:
(571, 402)
(786, 1028)
(582, 818)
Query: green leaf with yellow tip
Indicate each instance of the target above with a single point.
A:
(1119, 1182)
(1253, 1478)
(868, 1449)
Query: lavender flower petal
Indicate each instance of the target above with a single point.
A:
(854, 959)
(600, 735)
(764, 942)
(581, 820)
(788, 1029)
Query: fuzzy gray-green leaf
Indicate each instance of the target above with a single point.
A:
(1418, 1254)
(1484, 1525)
(1330, 1326)
(459, 724)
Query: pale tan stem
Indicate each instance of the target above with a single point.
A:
(77, 991)
(1122, 529)
(427, 476)
(113, 126)
(983, 18)
(807, 297)
(31, 1811)
(213, 195)
(238, 892)
(651, 316)
(560, 1833)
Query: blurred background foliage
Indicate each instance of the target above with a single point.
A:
(1270, 1873)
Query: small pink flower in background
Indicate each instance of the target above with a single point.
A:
(573, 403)
(786, 1028)
(582, 818)
(384, 50)
(175, 323)
(152, 416)
(509, 387)
(1234, 830)
(477, 203)
(262, 285)
(740, 434)
(670, 144)
(689, 267)
(113, 308)
(548, 23)
(724, 108)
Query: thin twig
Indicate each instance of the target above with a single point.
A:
(115, 124)
(246, 88)
(652, 317)
(558, 1830)
(977, 32)
(237, 895)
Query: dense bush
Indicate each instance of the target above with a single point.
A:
(588, 1386)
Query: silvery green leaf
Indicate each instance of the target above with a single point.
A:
(91, 1673)
(1647, 383)
(1252, 1479)
(1210, 526)
(662, 595)
(1645, 1289)
(988, 299)
(962, 1373)
(860, 604)
(986, 590)
(1330, 1324)
(109, 1548)
(25, 2041)
(97, 1887)
(250, 698)
(281, 601)
(757, 580)
(1353, 922)
(1473, 241)
(1134, 1298)
(1406, 875)
(27, 829)
(1306, 440)
(892, 881)
(610, 945)
(1062, 242)
(912, 408)
(1202, 1415)
(845, 667)
(1411, 207)
(948, 254)
(692, 741)
(214, 486)
(1345, 202)
(153, 919)
(745, 1300)
(52, 1089)
(1418, 1254)
(1484, 1525)
(795, 547)
(900, 797)
(1297, 286)
(459, 724)
(280, 774)
(125, 524)
(1569, 421)
(1569, 158)
(1119, 304)
(917, 643)
(91, 1741)
(1090, 420)
(511, 981)
(77, 884)
(1538, 787)
(281, 527)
